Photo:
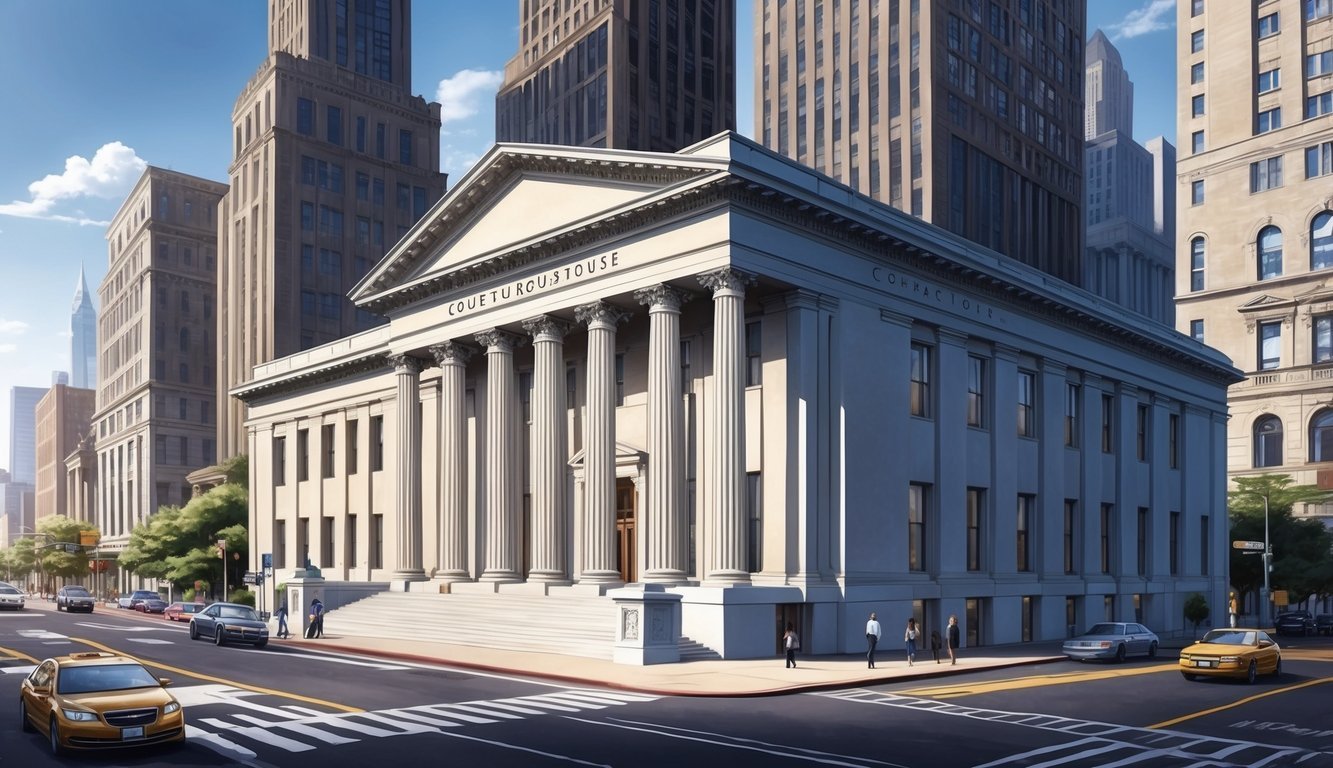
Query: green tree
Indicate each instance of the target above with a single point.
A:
(1196, 609)
(1302, 549)
(179, 544)
(62, 535)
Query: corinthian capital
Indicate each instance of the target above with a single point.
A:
(727, 280)
(496, 339)
(406, 363)
(545, 325)
(662, 297)
(600, 312)
(451, 353)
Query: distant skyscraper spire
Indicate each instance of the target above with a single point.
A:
(83, 337)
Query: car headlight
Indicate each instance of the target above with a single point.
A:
(1184, 657)
(78, 715)
(1105, 644)
(172, 706)
(1229, 659)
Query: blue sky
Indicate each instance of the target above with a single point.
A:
(96, 89)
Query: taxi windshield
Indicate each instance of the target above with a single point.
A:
(103, 677)
(1229, 637)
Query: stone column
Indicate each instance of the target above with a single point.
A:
(451, 553)
(503, 528)
(550, 452)
(599, 445)
(665, 524)
(407, 491)
(729, 531)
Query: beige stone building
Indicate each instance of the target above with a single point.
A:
(1255, 227)
(156, 407)
(627, 74)
(63, 417)
(966, 114)
(333, 159)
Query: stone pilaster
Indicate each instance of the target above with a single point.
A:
(503, 527)
(665, 523)
(728, 526)
(407, 490)
(451, 544)
(599, 445)
(550, 452)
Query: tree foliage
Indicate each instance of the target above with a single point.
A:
(1196, 609)
(55, 560)
(1302, 549)
(179, 544)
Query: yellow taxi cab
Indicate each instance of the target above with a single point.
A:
(99, 700)
(1245, 653)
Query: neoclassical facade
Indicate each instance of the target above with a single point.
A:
(723, 373)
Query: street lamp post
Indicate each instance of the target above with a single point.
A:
(1268, 558)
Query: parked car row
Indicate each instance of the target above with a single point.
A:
(11, 597)
(73, 597)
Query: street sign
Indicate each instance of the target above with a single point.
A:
(253, 577)
(1253, 546)
(266, 560)
(1280, 597)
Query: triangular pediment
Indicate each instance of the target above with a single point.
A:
(626, 456)
(1264, 301)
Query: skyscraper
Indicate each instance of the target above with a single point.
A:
(628, 74)
(63, 416)
(967, 115)
(333, 159)
(83, 337)
(23, 433)
(1255, 234)
(1130, 258)
(154, 418)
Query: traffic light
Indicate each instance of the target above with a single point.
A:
(89, 539)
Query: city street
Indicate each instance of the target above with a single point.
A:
(283, 706)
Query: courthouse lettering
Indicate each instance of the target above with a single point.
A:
(536, 284)
(926, 292)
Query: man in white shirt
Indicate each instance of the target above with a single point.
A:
(872, 639)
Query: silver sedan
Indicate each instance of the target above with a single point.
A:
(1112, 640)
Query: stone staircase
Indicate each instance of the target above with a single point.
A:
(573, 625)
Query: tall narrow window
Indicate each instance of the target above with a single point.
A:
(377, 541)
(350, 435)
(1141, 434)
(1143, 541)
(620, 379)
(1071, 415)
(1321, 436)
(328, 450)
(305, 117)
(1027, 618)
(1173, 441)
(1323, 339)
(279, 461)
(976, 391)
(1268, 442)
(920, 394)
(1071, 520)
(1108, 423)
(1203, 545)
(1175, 543)
(1197, 264)
(686, 377)
(376, 443)
(975, 501)
(1027, 404)
(1270, 253)
(1270, 345)
(754, 516)
(1107, 513)
(754, 360)
(1026, 506)
(916, 527)
(302, 455)
(1321, 241)
(1196, 330)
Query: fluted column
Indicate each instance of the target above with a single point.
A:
(599, 445)
(727, 516)
(503, 530)
(665, 524)
(451, 543)
(550, 452)
(407, 492)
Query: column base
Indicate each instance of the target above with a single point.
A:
(727, 577)
(408, 574)
(664, 576)
(500, 577)
(600, 578)
(450, 576)
(554, 578)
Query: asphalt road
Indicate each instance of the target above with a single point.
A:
(282, 706)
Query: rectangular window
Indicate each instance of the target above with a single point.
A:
(1318, 9)
(329, 452)
(1026, 509)
(1197, 258)
(1270, 345)
(1141, 434)
(1196, 73)
(302, 455)
(1196, 330)
(1197, 105)
(379, 140)
(1318, 64)
(976, 391)
(916, 527)
(1108, 423)
(1196, 41)
(1142, 542)
(1196, 8)
(405, 146)
(1268, 25)
(976, 500)
(1071, 415)
(1196, 192)
(360, 134)
(305, 117)
(754, 355)
(972, 615)
(1175, 544)
(754, 516)
(1318, 104)
(333, 128)
(920, 392)
(1173, 441)
(1266, 174)
(1027, 404)
(1070, 537)
(620, 379)
(1027, 619)
(376, 443)
(349, 536)
(1196, 142)
(1319, 160)
(326, 545)
(1323, 339)
(1268, 120)
(279, 544)
(1269, 80)
(377, 541)
(349, 436)
(1203, 545)
(279, 461)
(686, 378)
(1106, 521)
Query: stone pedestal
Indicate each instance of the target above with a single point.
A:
(301, 589)
(647, 625)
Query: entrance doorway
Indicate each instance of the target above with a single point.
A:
(626, 544)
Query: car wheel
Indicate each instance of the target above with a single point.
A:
(1120, 653)
(194, 631)
(217, 636)
(54, 735)
(1189, 676)
(1253, 673)
(25, 725)
(261, 643)
(1152, 651)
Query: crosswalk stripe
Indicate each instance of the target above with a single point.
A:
(573, 700)
(314, 733)
(447, 710)
(403, 728)
(595, 698)
(486, 711)
(345, 721)
(543, 703)
(511, 707)
(438, 722)
(266, 736)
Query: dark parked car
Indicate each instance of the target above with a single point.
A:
(1295, 623)
(1323, 623)
(151, 605)
(71, 598)
(139, 596)
(229, 622)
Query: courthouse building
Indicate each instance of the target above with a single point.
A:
(728, 377)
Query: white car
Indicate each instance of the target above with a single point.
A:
(11, 597)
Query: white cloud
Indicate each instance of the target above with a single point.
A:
(13, 327)
(7, 348)
(460, 95)
(1153, 17)
(112, 171)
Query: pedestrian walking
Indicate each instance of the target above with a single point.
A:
(792, 643)
(951, 636)
(935, 644)
(872, 640)
(316, 628)
(281, 613)
(909, 638)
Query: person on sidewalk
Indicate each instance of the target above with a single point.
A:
(281, 613)
(316, 628)
(872, 639)
(951, 635)
(935, 644)
(791, 643)
(909, 637)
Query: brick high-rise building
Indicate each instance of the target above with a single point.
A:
(333, 160)
(627, 74)
(63, 417)
(968, 115)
